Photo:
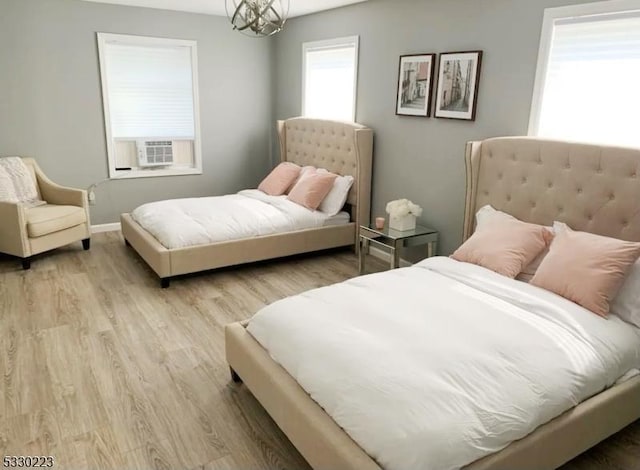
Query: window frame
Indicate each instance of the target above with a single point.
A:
(334, 43)
(110, 38)
(551, 16)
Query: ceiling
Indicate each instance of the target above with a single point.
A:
(216, 7)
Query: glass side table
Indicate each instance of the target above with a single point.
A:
(394, 240)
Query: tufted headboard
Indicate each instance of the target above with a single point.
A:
(592, 188)
(340, 147)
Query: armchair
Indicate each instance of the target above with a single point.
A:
(27, 231)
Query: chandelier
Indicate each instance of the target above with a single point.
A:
(257, 18)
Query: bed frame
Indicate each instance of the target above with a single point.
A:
(592, 188)
(340, 147)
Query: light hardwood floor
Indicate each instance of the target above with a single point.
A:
(102, 369)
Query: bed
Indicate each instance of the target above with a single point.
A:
(340, 147)
(592, 188)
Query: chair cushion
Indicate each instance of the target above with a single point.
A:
(50, 218)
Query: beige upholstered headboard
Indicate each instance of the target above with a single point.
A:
(340, 147)
(592, 188)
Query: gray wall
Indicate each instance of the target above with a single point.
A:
(51, 104)
(418, 158)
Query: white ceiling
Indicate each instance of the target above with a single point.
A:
(216, 7)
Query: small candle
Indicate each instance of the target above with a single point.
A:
(379, 222)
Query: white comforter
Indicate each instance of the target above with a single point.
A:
(179, 223)
(435, 366)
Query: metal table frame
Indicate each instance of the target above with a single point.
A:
(393, 241)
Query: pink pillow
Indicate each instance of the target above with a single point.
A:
(305, 170)
(488, 215)
(585, 268)
(310, 190)
(280, 179)
(505, 246)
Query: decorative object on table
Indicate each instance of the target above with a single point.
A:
(458, 79)
(379, 222)
(403, 214)
(257, 18)
(415, 83)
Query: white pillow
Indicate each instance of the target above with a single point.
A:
(487, 214)
(627, 303)
(335, 200)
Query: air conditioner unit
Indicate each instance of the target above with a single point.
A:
(154, 153)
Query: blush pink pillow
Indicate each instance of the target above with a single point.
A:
(505, 246)
(488, 215)
(311, 189)
(585, 268)
(280, 179)
(305, 170)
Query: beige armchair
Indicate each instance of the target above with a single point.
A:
(27, 231)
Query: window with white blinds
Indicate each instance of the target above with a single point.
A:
(150, 103)
(587, 80)
(330, 70)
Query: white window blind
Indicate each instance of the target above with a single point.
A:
(330, 74)
(589, 91)
(150, 102)
(150, 91)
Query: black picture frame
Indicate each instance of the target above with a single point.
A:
(416, 73)
(458, 85)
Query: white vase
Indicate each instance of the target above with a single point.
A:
(406, 222)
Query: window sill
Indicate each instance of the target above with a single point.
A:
(129, 174)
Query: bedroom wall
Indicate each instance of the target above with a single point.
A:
(417, 158)
(51, 103)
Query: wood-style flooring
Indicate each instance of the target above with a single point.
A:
(103, 370)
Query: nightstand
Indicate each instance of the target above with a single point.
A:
(394, 240)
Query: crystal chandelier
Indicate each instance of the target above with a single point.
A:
(257, 18)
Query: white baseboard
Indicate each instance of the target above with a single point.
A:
(114, 227)
(384, 256)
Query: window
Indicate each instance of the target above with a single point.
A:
(329, 79)
(150, 97)
(587, 78)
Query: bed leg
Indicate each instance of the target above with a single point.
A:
(234, 376)
(126, 242)
(26, 263)
(86, 244)
(165, 282)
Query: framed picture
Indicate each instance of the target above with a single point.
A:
(458, 79)
(415, 83)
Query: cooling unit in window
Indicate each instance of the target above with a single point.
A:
(154, 153)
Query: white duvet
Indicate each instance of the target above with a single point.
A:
(435, 366)
(179, 223)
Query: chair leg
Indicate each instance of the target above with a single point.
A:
(86, 244)
(26, 263)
